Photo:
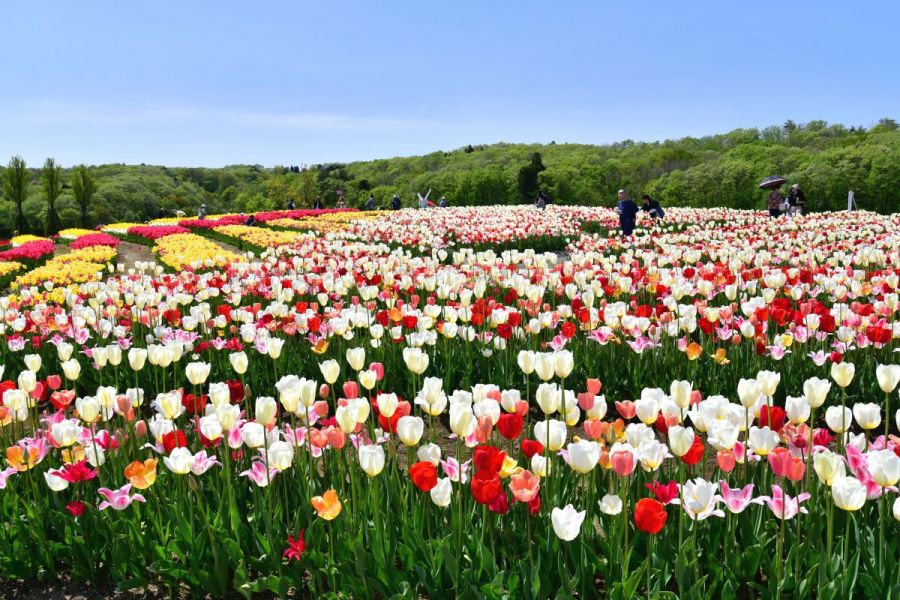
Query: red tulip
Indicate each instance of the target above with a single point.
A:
(532, 447)
(424, 475)
(489, 459)
(510, 425)
(664, 493)
(174, 439)
(695, 454)
(486, 486)
(650, 515)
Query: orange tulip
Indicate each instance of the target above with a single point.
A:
(22, 460)
(694, 350)
(141, 474)
(721, 356)
(328, 506)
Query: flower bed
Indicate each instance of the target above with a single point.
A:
(707, 407)
(190, 251)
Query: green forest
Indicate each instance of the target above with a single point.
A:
(827, 160)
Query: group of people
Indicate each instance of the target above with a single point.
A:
(628, 211)
(794, 204)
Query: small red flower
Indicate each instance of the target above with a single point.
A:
(76, 472)
(194, 404)
(532, 447)
(174, 439)
(664, 493)
(423, 475)
(76, 508)
(650, 515)
(773, 417)
(296, 547)
(534, 507)
(695, 454)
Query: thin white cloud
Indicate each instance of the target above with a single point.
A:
(81, 114)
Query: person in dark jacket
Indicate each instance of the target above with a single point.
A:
(370, 202)
(291, 205)
(628, 211)
(796, 200)
(542, 200)
(775, 201)
(317, 203)
(651, 206)
(443, 202)
(395, 202)
(250, 221)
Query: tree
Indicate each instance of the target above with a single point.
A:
(51, 181)
(308, 187)
(528, 177)
(83, 188)
(15, 187)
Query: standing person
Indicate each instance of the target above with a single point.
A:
(201, 214)
(541, 200)
(423, 201)
(340, 202)
(796, 200)
(628, 211)
(370, 202)
(775, 202)
(443, 202)
(291, 205)
(395, 202)
(651, 206)
(317, 203)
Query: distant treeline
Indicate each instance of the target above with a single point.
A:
(719, 170)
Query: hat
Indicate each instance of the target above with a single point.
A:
(796, 186)
(621, 191)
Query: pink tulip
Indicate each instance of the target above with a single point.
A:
(454, 470)
(118, 499)
(737, 499)
(257, 474)
(5, 474)
(626, 409)
(483, 429)
(351, 390)
(783, 506)
(623, 462)
(725, 459)
(321, 408)
(586, 401)
(379, 370)
(524, 486)
(594, 386)
(203, 463)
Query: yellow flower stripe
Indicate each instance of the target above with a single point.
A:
(73, 233)
(258, 236)
(7, 267)
(95, 254)
(120, 228)
(78, 266)
(182, 250)
(24, 239)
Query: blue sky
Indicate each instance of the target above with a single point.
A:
(203, 83)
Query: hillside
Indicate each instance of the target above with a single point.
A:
(720, 170)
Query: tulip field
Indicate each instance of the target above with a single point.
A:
(492, 402)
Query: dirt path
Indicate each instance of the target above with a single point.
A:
(130, 253)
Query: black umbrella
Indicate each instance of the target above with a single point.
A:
(772, 181)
